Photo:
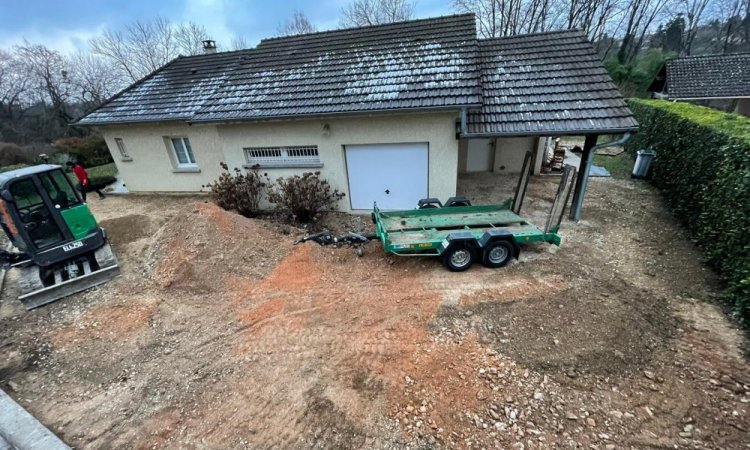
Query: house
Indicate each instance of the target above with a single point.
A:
(387, 113)
(719, 81)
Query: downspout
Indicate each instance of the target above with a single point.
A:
(583, 179)
(464, 124)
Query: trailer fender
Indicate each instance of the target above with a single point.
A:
(499, 234)
(464, 237)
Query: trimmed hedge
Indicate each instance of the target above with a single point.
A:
(703, 170)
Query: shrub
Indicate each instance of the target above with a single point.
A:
(703, 170)
(238, 191)
(11, 154)
(303, 197)
(89, 151)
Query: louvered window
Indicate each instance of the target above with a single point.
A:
(296, 156)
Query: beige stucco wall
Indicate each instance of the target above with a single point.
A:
(151, 169)
(510, 152)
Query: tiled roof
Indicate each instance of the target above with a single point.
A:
(418, 64)
(547, 83)
(429, 63)
(709, 76)
(174, 92)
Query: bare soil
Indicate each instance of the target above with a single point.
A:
(222, 334)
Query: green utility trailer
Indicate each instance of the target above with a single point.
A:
(461, 235)
(458, 232)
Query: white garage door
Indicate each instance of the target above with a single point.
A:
(393, 175)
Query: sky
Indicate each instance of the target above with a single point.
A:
(67, 25)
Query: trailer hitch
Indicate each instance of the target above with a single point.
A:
(325, 237)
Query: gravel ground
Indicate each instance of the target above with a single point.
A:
(222, 334)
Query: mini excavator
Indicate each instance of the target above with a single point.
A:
(59, 247)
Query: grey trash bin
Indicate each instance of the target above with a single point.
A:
(643, 163)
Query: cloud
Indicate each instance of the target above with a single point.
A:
(213, 15)
(66, 41)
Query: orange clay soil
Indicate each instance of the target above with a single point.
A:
(222, 334)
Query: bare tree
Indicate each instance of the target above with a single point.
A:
(93, 79)
(728, 14)
(239, 43)
(13, 84)
(49, 77)
(594, 17)
(297, 24)
(693, 11)
(639, 17)
(497, 18)
(143, 47)
(360, 13)
(189, 38)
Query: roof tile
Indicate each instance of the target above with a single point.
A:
(546, 83)
(709, 76)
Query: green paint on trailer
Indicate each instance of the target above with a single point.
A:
(79, 219)
(422, 231)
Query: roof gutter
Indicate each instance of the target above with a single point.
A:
(686, 99)
(368, 112)
(552, 133)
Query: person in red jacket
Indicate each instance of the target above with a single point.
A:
(84, 183)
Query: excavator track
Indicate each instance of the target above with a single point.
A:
(34, 294)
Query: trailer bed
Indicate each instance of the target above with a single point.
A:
(422, 231)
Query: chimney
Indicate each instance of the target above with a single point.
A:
(209, 46)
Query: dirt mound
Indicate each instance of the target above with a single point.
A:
(127, 229)
(203, 245)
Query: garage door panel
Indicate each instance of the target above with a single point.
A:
(393, 175)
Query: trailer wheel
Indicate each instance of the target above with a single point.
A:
(497, 254)
(459, 257)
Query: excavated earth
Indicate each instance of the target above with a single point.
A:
(221, 333)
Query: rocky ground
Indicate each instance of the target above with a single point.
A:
(223, 334)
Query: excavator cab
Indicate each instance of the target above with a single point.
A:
(61, 248)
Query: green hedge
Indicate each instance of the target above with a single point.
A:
(703, 170)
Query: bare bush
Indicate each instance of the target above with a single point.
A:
(11, 154)
(238, 191)
(301, 198)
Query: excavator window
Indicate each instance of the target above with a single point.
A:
(36, 217)
(59, 189)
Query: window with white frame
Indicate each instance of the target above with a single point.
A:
(121, 148)
(294, 156)
(182, 152)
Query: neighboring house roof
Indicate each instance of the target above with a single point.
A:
(708, 76)
(425, 64)
(547, 83)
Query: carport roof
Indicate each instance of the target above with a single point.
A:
(546, 84)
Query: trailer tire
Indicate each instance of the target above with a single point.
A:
(459, 257)
(497, 254)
